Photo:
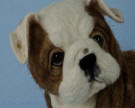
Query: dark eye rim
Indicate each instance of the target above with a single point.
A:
(59, 62)
(53, 52)
(101, 35)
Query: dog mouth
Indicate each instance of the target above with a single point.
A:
(93, 73)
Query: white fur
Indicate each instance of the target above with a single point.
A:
(67, 9)
(68, 26)
(75, 88)
(66, 19)
(58, 103)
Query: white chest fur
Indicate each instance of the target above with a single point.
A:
(58, 103)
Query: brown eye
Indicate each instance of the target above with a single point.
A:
(57, 59)
(99, 39)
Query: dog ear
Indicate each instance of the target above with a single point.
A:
(19, 38)
(113, 13)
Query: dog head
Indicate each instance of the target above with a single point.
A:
(70, 48)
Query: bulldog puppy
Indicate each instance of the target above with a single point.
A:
(73, 55)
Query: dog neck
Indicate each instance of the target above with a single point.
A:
(58, 103)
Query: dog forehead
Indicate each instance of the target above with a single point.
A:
(66, 22)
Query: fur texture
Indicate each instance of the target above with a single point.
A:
(69, 27)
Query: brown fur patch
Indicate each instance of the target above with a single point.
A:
(129, 74)
(120, 94)
(48, 100)
(40, 49)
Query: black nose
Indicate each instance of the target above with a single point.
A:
(87, 64)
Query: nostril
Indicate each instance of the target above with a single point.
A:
(86, 50)
(88, 62)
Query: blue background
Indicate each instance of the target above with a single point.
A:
(17, 88)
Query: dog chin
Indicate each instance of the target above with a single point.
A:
(76, 95)
(81, 95)
(77, 89)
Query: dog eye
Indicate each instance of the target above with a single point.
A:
(57, 59)
(98, 38)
